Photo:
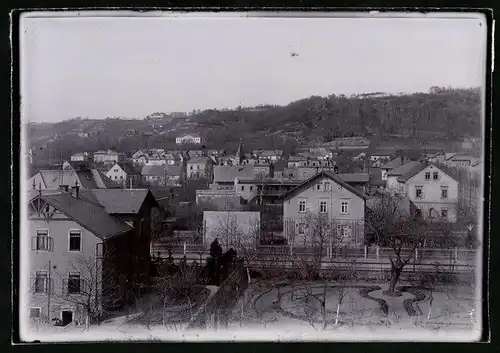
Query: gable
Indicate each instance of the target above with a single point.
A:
(338, 185)
(420, 176)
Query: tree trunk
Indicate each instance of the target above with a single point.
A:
(337, 316)
(87, 321)
(396, 270)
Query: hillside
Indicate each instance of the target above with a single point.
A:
(439, 115)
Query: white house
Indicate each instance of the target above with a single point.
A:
(191, 139)
(117, 173)
(433, 192)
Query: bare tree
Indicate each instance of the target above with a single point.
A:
(92, 285)
(395, 227)
(228, 230)
(176, 287)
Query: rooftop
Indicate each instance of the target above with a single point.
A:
(226, 173)
(88, 214)
(118, 201)
(403, 169)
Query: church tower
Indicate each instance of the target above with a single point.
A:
(240, 153)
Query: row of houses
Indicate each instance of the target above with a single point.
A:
(430, 192)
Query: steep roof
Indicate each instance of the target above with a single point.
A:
(174, 170)
(417, 169)
(88, 214)
(87, 178)
(396, 162)
(412, 172)
(354, 177)
(118, 201)
(323, 174)
(227, 173)
(154, 170)
(463, 158)
(199, 160)
(403, 169)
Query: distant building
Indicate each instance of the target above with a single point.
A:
(432, 191)
(162, 175)
(226, 174)
(67, 178)
(198, 167)
(80, 157)
(188, 139)
(386, 168)
(108, 157)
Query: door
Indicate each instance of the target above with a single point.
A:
(67, 317)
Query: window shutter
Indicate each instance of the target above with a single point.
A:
(33, 243)
(50, 243)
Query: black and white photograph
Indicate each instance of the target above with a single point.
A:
(252, 176)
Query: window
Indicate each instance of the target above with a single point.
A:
(75, 240)
(345, 231)
(302, 206)
(116, 177)
(427, 175)
(431, 212)
(435, 176)
(444, 213)
(34, 312)
(191, 167)
(251, 187)
(322, 206)
(42, 241)
(40, 282)
(328, 186)
(121, 177)
(116, 170)
(444, 193)
(418, 213)
(301, 228)
(318, 187)
(418, 193)
(242, 188)
(74, 283)
(344, 207)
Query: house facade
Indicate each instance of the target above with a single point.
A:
(79, 157)
(188, 139)
(324, 211)
(83, 254)
(433, 192)
(108, 157)
(117, 174)
(198, 167)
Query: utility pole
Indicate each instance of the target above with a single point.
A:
(48, 293)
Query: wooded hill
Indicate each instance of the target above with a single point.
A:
(442, 114)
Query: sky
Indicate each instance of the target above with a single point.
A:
(99, 67)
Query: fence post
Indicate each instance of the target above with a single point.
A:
(378, 252)
(416, 254)
(366, 251)
(456, 253)
(184, 248)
